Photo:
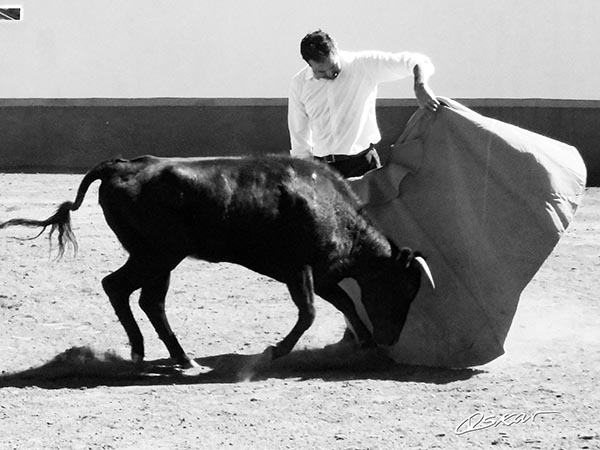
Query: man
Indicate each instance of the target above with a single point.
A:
(331, 113)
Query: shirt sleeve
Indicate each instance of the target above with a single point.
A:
(298, 124)
(385, 66)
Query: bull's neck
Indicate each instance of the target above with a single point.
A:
(372, 250)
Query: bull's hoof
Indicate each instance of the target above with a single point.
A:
(137, 359)
(190, 369)
(188, 364)
(269, 354)
(187, 368)
(185, 365)
(275, 352)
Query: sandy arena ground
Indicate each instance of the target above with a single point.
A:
(67, 383)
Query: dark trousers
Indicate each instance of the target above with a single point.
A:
(355, 165)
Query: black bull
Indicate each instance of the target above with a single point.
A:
(292, 220)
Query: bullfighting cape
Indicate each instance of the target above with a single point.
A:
(485, 202)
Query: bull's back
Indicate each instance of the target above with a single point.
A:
(260, 212)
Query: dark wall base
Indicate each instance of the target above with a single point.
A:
(73, 135)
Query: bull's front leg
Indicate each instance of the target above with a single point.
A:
(335, 295)
(302, 291)
(152, 302)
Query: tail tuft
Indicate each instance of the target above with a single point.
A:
(60, 221)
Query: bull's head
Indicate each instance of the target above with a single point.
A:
(388, 293)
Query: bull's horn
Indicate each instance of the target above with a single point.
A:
(425, 268)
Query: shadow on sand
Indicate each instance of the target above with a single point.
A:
(80, 367)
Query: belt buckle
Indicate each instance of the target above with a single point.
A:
(329, 159)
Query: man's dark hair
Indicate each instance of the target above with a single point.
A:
(316, 46)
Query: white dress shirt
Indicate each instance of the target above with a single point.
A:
(337, 117)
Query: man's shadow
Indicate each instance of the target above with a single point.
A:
(80, 367)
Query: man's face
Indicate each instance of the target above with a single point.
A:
(328, 68)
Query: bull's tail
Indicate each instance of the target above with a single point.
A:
(61, 220)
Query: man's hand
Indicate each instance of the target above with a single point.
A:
(425, 97)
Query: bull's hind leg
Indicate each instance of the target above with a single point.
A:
(153, 277)
(119, 286)
(302, 291)
(152, 302)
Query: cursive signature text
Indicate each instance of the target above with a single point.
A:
(479, 421)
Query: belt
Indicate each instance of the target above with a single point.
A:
(330, 159)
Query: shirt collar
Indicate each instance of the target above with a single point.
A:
(309, 74)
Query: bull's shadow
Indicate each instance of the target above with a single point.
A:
(81, 367)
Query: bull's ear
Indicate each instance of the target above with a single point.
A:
(405, 257)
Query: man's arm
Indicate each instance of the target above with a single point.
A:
(298, 125)
(393, 66)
